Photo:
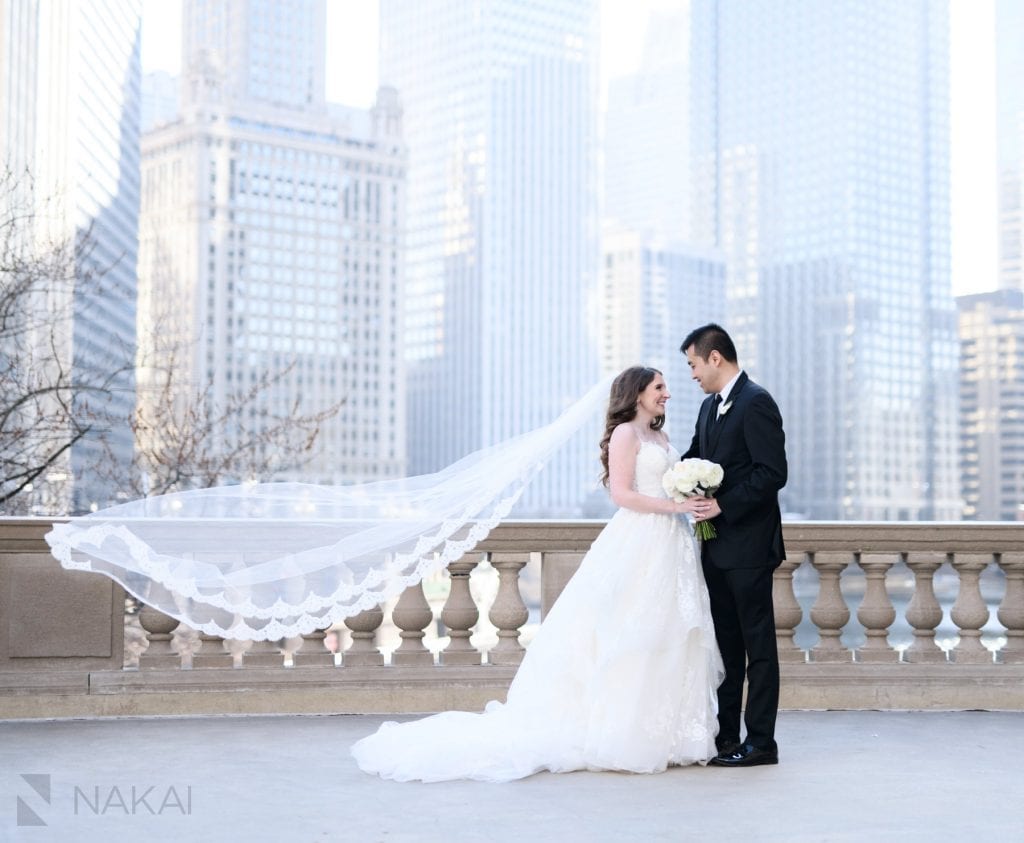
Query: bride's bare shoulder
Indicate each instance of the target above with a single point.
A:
(625, 434)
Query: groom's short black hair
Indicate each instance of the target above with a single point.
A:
(708, 338)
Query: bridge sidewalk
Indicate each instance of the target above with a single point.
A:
(844, 776)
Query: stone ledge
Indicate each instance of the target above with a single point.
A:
(278, 678)
(71, 682)
(415, 690)
(212, 691)
(948, 687)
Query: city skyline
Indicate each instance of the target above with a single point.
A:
(271, 241)
(352, 76)
(528, 202)
(502, 228)
(820, 170)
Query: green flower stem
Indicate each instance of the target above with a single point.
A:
(705, 530)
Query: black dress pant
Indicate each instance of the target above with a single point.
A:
(744, 616)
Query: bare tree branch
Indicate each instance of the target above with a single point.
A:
(184, 436)
(186, 439)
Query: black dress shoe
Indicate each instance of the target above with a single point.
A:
(726, 748)
(746, 756)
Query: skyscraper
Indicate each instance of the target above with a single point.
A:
(70, 102)
(271, 237)
(264, 51)
(992, 405)
(652, 295)
(160, 92)
(19, 79)
(656, 285)
(820, 155)
(1010, 141)
(647, 137)
(500, 106)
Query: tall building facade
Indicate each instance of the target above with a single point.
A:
(647, 137)
(19, 63)
(267, 51)
(655, 285)
(819, 146)
(160, 92)
(501, 102)
(992, 405)
(271, 239)
(70, 101)
(1010, 141)
(651, 296)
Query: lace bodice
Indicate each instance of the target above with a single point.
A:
(652, 461)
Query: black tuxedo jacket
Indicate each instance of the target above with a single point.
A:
(749, 444)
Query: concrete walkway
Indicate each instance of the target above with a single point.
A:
(844, 776)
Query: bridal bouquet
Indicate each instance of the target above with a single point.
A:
(694, 477)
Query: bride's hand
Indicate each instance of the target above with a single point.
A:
(691, 505)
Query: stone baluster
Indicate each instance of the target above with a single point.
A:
(135, 640)
(412, 615)
(788, 613)
(924, 612)
(460, 614)
(312, 651)
(237, 648)
(556, 569)
(876, 612)
(158, 626)
(830, 612)
(289, 649)
(186, 642)
(363, 652)
(969, 611)
(263, 654)
(1011, 610)
(509, 612)
(212, 652)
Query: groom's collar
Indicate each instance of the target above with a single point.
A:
(729, 386)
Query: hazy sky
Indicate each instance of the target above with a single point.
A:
(352, 79)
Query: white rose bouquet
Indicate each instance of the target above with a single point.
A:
(694, 477)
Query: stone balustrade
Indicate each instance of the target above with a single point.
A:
(66, 647)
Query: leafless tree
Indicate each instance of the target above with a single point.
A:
(47, 404)
(184, 436)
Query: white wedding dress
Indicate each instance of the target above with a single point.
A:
(622, 674)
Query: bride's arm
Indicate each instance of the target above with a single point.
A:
(622, 450)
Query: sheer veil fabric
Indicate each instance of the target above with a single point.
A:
(271, 560)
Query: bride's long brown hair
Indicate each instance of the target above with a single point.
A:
(626, 388)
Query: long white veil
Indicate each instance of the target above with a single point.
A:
(272, 560)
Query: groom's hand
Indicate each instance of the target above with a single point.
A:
(707, 508)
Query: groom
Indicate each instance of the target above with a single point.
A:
(739, 427)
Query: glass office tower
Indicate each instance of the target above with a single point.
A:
(1010, 141)
(500, 105)
(820, 164)
(69, 105)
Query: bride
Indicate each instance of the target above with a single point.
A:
(622, 674)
